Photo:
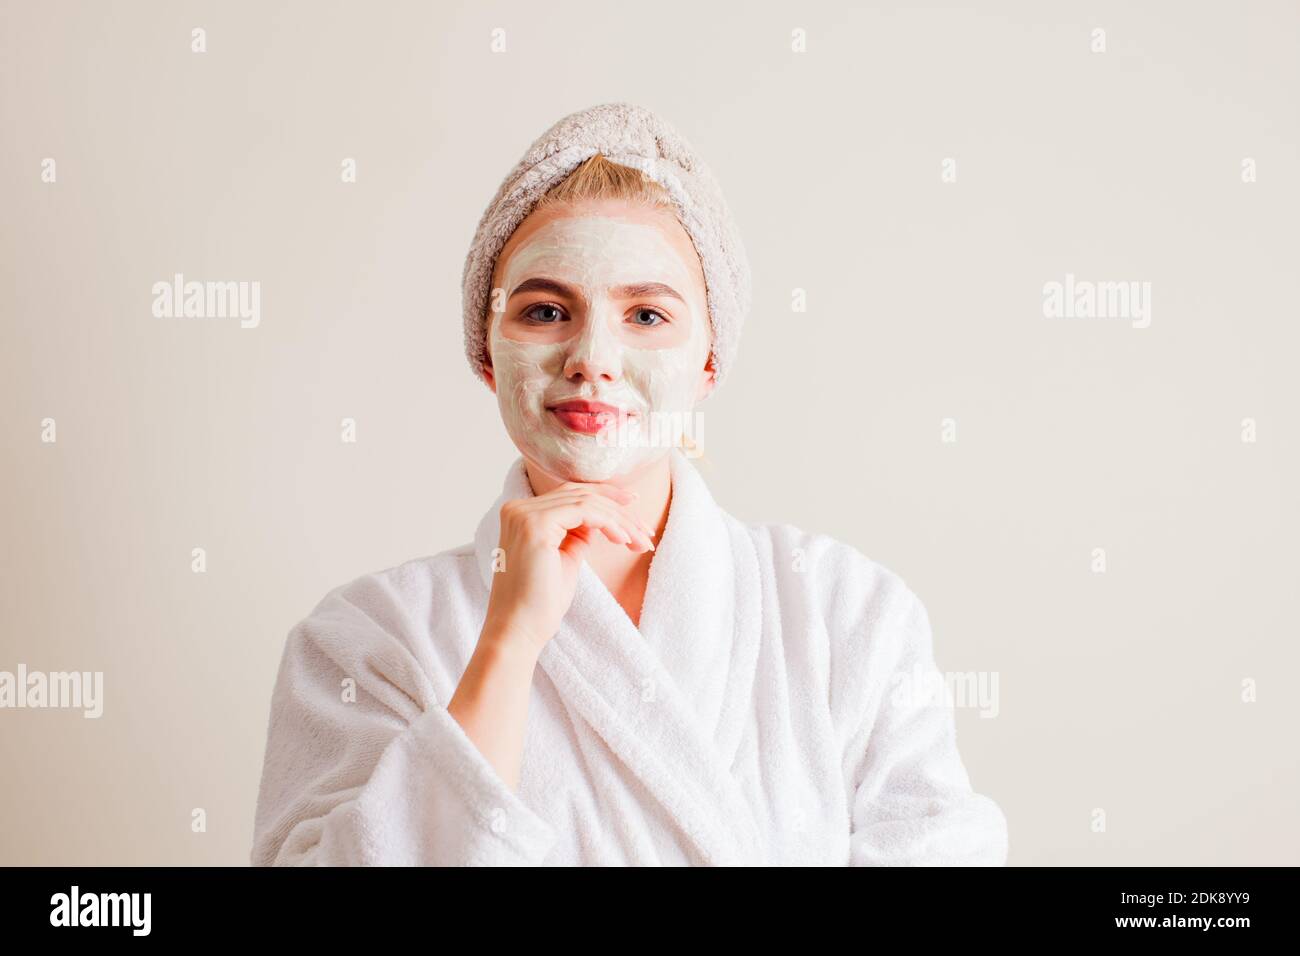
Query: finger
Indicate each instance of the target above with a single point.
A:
(622, 508)
(627, 518)
(576, 542)
(578, 513)
(606, 515)
(617, 492)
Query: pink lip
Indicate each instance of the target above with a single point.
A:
(586, 417)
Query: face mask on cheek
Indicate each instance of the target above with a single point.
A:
(656, 386)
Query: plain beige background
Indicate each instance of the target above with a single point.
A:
(1119, 691)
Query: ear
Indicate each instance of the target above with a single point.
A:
(708, 378)
(488, 373)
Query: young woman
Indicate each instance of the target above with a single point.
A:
(616, 670)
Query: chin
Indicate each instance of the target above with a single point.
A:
(567, 457)
(585, 471)
(584, 468)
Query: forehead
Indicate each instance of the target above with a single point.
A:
(608, 239)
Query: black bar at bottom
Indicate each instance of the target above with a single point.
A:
(213, 905)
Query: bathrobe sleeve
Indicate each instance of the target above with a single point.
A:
(365, 766)
(911, 799)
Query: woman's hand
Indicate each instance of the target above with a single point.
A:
(543, 540)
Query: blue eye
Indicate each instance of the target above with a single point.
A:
(543, 305)
(649, 311)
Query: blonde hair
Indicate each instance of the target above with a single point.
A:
(601, 178)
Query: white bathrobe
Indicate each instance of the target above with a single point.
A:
(752, 719)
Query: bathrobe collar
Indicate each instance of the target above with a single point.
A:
(667, 698)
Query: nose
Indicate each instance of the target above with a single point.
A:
(595, 353)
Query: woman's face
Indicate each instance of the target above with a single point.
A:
(601, 302)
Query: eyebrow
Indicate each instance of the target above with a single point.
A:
(636, 290)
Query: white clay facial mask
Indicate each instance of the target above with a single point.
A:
(643, 355)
